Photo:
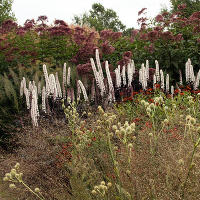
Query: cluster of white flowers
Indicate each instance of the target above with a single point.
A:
(34, 108)
(157, 71)
(98, 74)
(143, 76)
(124, 75)
(110, 84)
(44, 99)
(162, 79)
(189, 72)
(46, 79)
(196, 82)
(167, 83)
(64, 81)
(83, 90)
(118, 77)
(172, 90)
(180, 76)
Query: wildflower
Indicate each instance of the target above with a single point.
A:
(193, 121)
(152, 106)
(130, 146)
(114, 127)
(12, 186)
(142, 102)
(109, 184)
(148, 109)
(115, 148)
(96, 187)
(151, 134)
(132, 126)
(159, 18)
(126, 124)
(5, 178)
(188, 118)
(103, 183)
(122, 130)
(166, 108)
(89, 114)
(94, 192)
(37, 190)
(166, 121)
(128, 129)
(181, 162)
(17, 166)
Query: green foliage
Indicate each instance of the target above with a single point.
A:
(191, 6)
(6, 10)
(100, 18)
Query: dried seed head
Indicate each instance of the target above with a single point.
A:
(89, 114)
(12, 186)
(181, 162)
(151, 134)
(37, 190)
(148, 109)
(17, 166)
(130, 146)
(128, 130)
(166, 121)
(109, 184)
(13, 172)
(142, 102)
(152, 106)
(126, 124)
(103, 183)
(193, 120)
(122, 130)
(114, 127)
(94, 192)
(96, 187)
(188, 118)
(5, 178)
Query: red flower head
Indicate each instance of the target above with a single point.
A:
(107, 48)
(153, 35)
(178, 37)
(167, 35)
(134, 33)
(141, 11)
(159, 18)
(182, 6)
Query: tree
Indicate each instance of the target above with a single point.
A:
(187, 6)
(6, 10)
(100, 18)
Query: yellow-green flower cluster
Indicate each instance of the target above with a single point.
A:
(71, 112)
(107, 118)
(190, 120)
(158, 99)
(126, 129)
(13, 175)
(191, 99)
(101, 189)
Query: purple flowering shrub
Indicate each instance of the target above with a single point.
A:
(171, 38)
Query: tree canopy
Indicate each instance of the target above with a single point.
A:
(100, 18)
(6, 10)
(187, 6)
